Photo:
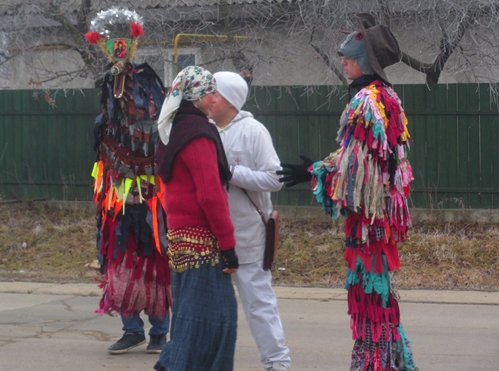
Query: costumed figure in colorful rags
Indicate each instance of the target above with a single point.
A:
(131, 237)
(367, 180)
(194, 170)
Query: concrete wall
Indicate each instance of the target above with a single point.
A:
(45, 64)
(481, 216)
(277, 62)
(418, 215)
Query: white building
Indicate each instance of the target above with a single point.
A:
(272, 36)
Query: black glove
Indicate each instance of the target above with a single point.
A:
(297, 173)
(229, 258)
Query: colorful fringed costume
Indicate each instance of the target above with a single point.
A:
(367, 180)
(128, 194)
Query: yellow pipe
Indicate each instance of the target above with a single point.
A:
(194, 36)
(175, 44)
(42, 47)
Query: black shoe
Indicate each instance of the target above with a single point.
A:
(156, 343)
(127, 342)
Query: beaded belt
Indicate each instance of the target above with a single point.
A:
(190, 247)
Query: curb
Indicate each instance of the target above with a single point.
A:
(282, 292)
(40, 288)
(406, 296)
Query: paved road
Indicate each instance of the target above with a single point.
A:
(52, 327)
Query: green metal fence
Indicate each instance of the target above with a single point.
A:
(453, 130)
(47, 152)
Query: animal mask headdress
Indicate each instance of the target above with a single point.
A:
(116, 32)
(373, 47)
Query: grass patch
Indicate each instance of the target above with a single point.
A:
(45, 243)
(455, 256)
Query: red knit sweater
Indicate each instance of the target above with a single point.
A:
(195, 195)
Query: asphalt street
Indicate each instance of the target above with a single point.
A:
(53, 327)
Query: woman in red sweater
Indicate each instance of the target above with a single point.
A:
(194, 171)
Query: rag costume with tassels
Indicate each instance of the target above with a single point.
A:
(368, 180)
(127, 191)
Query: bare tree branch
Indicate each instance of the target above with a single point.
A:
(459, 38)
(77, 31)
(385, 13)
(328, 63)
(447, 45)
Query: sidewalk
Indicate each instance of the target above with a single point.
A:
(449, 330)
(282, 292)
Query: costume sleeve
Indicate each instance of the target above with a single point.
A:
(200, 156)
(370, 174)
(323, 173)
(263, 177)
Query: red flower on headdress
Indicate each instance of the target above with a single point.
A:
(136, 29)
(359, 36)
(92, 37)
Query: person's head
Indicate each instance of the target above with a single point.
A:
(355, 61)
(231, 94)
(351, 68)
(373, 48)
(194, 84)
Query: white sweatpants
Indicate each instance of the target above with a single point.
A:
(259, 302)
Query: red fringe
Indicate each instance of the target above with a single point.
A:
(363, 307)
(367, 357)
(377, 360)
(124, 292)
(149, 270)
(360, 130)
(162, 271)
(372, 250)
(130, 283)
(131, 247)
(139, 267)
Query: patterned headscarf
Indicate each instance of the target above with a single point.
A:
(192, 83)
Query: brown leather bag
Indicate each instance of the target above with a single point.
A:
(271, 240)
(271, 235)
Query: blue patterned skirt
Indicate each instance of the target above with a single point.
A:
(204, 321)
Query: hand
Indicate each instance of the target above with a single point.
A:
(229, 270)
(229, 261)
(296, 173)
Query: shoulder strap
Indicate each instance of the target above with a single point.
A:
(256, 207)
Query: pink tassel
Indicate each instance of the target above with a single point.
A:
(376, 360)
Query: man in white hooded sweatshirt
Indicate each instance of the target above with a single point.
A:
(253, 162)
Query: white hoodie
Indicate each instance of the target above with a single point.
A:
(253, 161)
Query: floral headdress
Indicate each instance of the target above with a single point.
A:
(116, 32)
(192, 83)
